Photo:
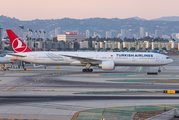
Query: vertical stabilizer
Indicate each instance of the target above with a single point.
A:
(17, 44)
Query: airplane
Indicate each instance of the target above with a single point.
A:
(104, 60)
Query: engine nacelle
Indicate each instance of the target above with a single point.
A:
(107, 65)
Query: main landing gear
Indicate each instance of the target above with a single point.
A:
(159, 70)
(87, 68)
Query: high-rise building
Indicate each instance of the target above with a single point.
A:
(108, 34)
(128, 34)
(123, 33)
(94, 35)
(158, 33)
(1, 33)
(57, 31)
(147, 34)
(174, 35)
(87, 33)
(142, 32)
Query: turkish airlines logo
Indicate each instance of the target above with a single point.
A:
(18, 46)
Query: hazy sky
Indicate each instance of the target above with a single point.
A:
(79, 9)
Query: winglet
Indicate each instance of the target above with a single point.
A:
(17, 44)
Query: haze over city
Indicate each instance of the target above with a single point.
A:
(80, 9)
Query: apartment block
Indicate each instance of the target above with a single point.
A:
(84, 44)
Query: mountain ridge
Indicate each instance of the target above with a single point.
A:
(97, 25)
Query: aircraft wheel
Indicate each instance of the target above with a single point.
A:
(84, 70)
(159, 71)
(90, 70)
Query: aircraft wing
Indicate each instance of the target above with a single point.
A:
(15, 55)
(84, 59)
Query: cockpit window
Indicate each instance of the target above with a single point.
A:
(167, 57)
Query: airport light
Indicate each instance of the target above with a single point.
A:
(31, 31)
(35, 38)
(44, 40)
(22, 27)
(40, 40)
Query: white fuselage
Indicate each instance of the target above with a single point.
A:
(120, 58)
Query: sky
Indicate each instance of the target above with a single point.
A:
(80, 9)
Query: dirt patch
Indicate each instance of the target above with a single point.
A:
(142, 115)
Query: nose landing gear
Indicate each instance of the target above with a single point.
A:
(159, 70)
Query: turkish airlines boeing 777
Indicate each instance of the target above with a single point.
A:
(104, 60)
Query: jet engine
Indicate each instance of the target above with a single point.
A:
(107, 65)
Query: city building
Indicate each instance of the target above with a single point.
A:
(123, 33)
(71, 45)
(134, 36)
(162, 45)
(128, 45)
(1, 36)
(102, 45)
(57, 31)
(71, 37)
(147, 34)
(173, 44)
(110, 45)
(96, 45)
(87, 33)
(51, 34)
(173, 35)
(165, 36)
(84, 44)
(137, 45)
(142, 32)
(158, 33)
(146, 45)
(108, 34)
(176, 35)
(128, 34)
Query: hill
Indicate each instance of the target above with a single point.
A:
(97, 25)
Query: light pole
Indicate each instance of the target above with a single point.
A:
(44, 40)
(22, 27)
(31, 37)
(30, 30)
(35, 38)
(40, 40)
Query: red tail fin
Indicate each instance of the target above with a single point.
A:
(17, 44)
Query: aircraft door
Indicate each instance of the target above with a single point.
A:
(157, 58)
(133, 58)
(35, 57)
